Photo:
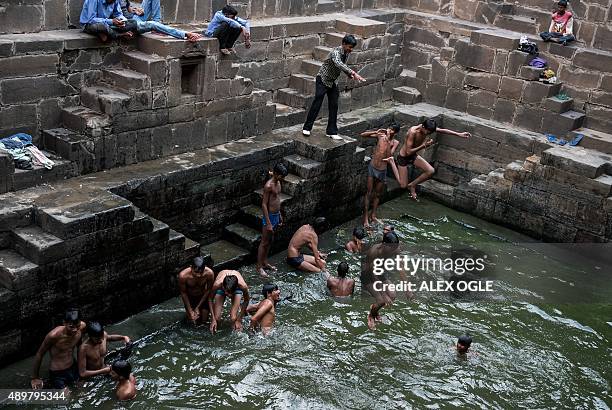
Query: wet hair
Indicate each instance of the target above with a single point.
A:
(350, 40)
(465, 340)
(390, 228)
(229, 10)
(430, 125)
(123, 368)
(562, 3)
(359, 233)
(390, 237)
(395, 127)
(280, 169)
(268, 288)
(95, 329)
(320, 225)
(198, 264)
(343, 269)
(72, 316)
(230, 282)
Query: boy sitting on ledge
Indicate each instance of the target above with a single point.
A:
(226, 26)
(561, 26)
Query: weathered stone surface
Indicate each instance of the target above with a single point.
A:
(577, 161)
(535, 91)
(485, 81)
(20, 90)
(27, 66)
(504, 110)
(594, 60)
(457, 99)
(517, 59)
(474, 56)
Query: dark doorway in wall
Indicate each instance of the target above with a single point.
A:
(191, 75)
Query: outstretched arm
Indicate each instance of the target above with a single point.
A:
(455, 133)
(375, 134)
(118, 338)
(264, 307)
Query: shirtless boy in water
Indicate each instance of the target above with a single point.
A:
(355, 245)
(121, 372)
(60, 343)
(377, 169)
(341, 286)
(92, 352)
(307, 235)
(416, 140)
(272, 218)
(195, 284)
(264, 312)
(229, 283)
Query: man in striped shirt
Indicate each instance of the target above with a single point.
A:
(326, 84)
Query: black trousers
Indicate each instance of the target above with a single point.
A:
(227, 35)
(333, 94)
(111, 31)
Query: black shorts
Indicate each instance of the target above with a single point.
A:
(403, 161)
(296, 261)
(62, 378)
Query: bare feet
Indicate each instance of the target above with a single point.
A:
(127, 34)
(225, 51)
(366, 222)
(103, 37)
(413, 193)
(193, 37)
(262, 272)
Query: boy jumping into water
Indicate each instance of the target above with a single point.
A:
(195, 284)
(264, 312)
(229, 283)
(377, 169)
(92, 352)
(60, 343)
(416, 141)
(307, 235)
(270, 207)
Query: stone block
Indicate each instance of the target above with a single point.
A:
(474, 56)
(423, 72)
(556, 105)
(577, 161)
(29, 65)
(530, 73)
(360, 27)
(457, 99)
(154, 67)
(535, 91)
(480, 111)
(436, 94)
(496, 38)
(504, 110)
(485, 81)
(439, 70)
(137, 120)
(21, 18)
(529, 117)
(593, 60)
(406, 95)
(217, 130)
(578, 77)
(20, 90)
(424, 36)
(601, 98)
(517, 59)
(294, 46)
(602, 39)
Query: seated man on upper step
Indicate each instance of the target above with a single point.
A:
(105, 19)
(561, 25)
(148, 18)
(226, 26)
(416, 140)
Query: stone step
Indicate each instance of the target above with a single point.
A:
(293, 185)
(287, 116)
(520, 24)
(98, 211)
(303, 83)
(529, 73)
(406, 95)
(302, 166)
(320, 53)
(577, 160)
(225, 255)
(251, 216)
(258, 197)
(166, 46)
(243, 236)
(105, 100)
(561, 124)
(596, 140)
(86, 120)
(496, 38)
(37, 245)
(311, 67)
(293, 98)
(17, 272)
(64, 142)
(409, 78)
(321, 148)
(557, 105)
(62, 169)
(150, 65)
(361, 27)
(126, 79)
(327, 6)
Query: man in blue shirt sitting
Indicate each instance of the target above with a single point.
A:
(105, 19)
(226, 26)
(151, 10)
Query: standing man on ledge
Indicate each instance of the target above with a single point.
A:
(328, 74)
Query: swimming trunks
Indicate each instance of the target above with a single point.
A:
(62, 378)
(380, 174)
(403, 161)
(274, 219)
(295, 261)
(221, 292)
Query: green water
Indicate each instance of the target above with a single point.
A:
(542, 339)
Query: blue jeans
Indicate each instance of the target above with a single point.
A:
(546, 36)
(146, 26)
(152, 11)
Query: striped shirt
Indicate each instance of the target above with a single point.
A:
(333, 65)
